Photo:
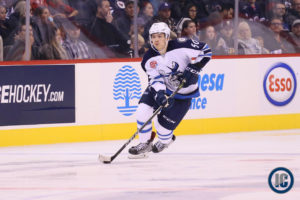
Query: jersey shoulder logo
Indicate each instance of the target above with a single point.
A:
(181, 39)
(153, 64)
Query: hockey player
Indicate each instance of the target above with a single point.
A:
(167, 63)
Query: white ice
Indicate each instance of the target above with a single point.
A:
(232, 166)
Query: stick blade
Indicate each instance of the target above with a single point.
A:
(104, 159)
(139, 156)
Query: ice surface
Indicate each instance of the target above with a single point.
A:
(232, 166)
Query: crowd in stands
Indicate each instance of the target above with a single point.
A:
(87, 29)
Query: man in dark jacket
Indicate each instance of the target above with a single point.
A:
(104, 34)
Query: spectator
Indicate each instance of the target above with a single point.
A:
(261, 42)
(180, 24)
(42, 20)
(295, 35)
(15, 20)
(247, 44)
(146, 11)
(53, 49)
(103, 33)
(191, 12)
(213, 40)
(189, 30)
(37, 3)
(140, 25)
(141, 45)
(10, 6)
(4, 27)
(202, 6)
(2, 12)
(124, 22)
(252, 11)
(156, 4)
(17, 50)
(75, 48)
(164, 15)
(213, 6)
(86, 12)
(177, 9)
(279, 11)
(61, 10)
(227, 35)
(225, 12)
(275, 42)
(293, 13)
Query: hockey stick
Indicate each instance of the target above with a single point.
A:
(109, 159)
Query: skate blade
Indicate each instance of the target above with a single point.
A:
(139, 156)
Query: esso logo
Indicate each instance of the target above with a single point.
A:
(280, 84)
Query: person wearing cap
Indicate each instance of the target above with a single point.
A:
(164, 15)
(124, 22)
(295, 35)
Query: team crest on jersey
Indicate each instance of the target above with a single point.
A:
(153, 64)
(173, 78)
(181, 39)
(174, 66)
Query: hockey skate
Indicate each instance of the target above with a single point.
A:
(159, 146)
(141, 150)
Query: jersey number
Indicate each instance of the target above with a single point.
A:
(195, 44)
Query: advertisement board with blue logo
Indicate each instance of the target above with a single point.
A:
(245, 94)
(127, 90)
(243, 87)
(42, 94)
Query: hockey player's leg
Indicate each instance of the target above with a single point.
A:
(167, 121)
(146, 136)
(165, 137)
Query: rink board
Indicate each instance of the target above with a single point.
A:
(88, 133)
(240, 94)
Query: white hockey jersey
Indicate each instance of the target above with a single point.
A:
(164, 71)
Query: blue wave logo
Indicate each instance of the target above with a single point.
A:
(127, 89)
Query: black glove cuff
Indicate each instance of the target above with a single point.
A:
(193, 69)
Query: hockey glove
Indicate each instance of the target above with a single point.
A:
(162, 99)
(190, 74)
